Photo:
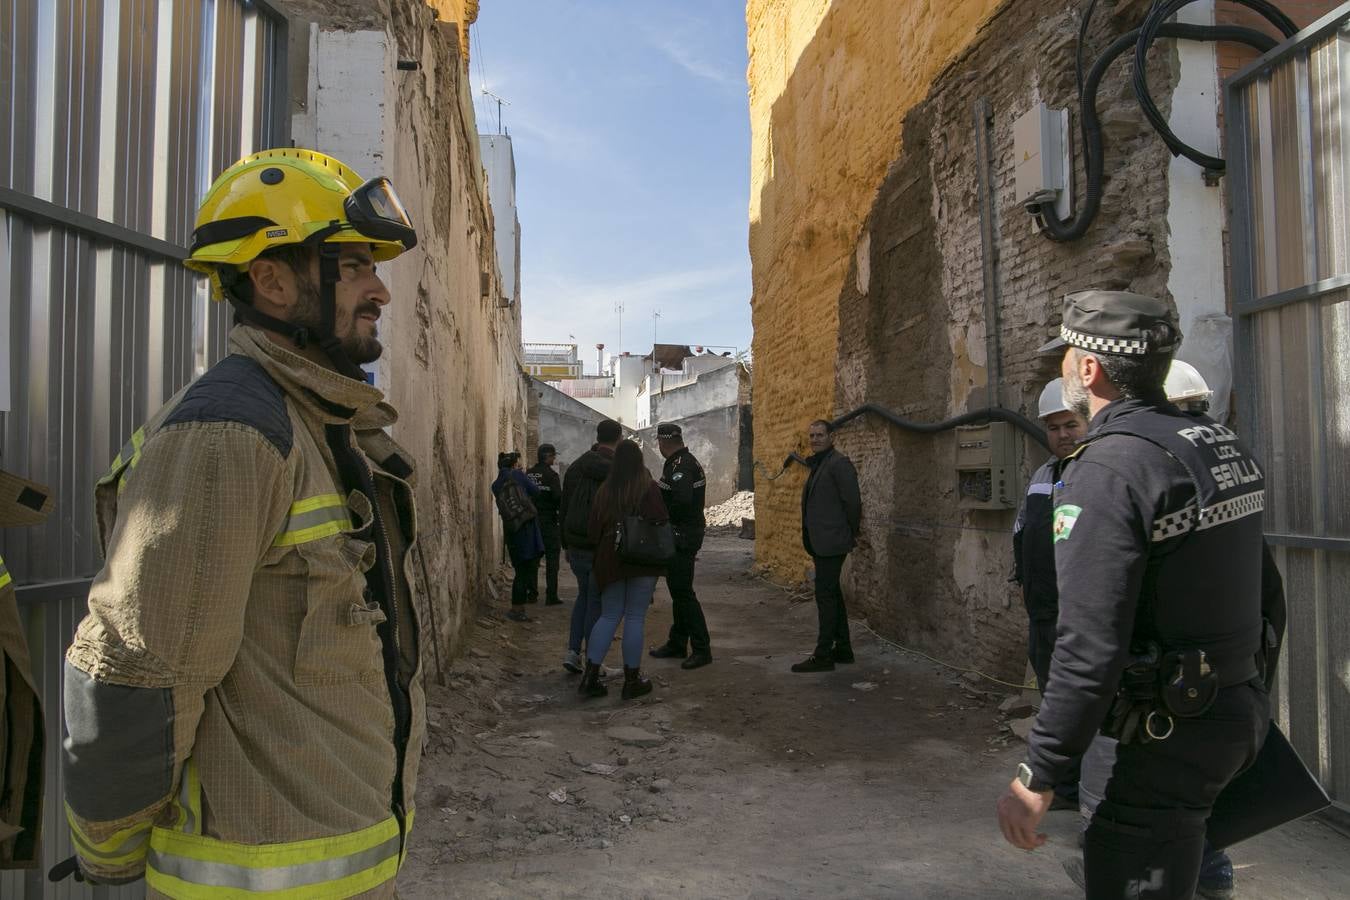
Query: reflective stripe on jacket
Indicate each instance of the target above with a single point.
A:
(244, 701)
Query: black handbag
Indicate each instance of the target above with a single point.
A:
(644, 543)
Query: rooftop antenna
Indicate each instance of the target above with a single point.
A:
(656, 317)
(500, 101)
(618, 308)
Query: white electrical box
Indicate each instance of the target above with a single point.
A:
(1041, 150)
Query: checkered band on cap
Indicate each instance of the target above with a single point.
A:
(1094, 344)
(1122, 346)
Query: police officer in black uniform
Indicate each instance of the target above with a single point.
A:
(683, 486)
(547, 503)
(1158, 548)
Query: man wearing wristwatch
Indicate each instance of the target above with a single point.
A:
(1158, 549)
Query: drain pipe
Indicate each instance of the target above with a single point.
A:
(984, 163)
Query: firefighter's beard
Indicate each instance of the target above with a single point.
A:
(360, 349)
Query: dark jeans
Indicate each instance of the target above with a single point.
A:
(833, 618)
(551, 567)
(526, 574)
(1040, 647)
(688, 627)
(586, 610)
(1146, 836)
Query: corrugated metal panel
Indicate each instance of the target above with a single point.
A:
(123, 111)
(1289, 138)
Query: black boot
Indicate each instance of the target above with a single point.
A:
(590, 682)
(666, 651)
(697, 659)
(634, 685)
(814, 663)
(552, 600)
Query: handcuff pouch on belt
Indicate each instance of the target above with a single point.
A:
(1157, 688)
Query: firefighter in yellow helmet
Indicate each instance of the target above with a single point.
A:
(244, 701)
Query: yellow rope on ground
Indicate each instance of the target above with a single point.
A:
(933, 659)
(796, 594)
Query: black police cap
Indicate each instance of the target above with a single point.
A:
(669, 430)
(1118, 322)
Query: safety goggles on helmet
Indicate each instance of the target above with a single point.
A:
(374, 210)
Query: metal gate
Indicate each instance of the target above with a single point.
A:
(114, 117)
(1288, 140)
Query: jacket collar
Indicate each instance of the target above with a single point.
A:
(1118, 410)
(322, 393)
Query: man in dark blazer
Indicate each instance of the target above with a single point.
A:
(831, 517)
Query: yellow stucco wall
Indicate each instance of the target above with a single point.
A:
(830, 82)
(463, 13)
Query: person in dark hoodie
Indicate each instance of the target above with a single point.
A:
(524, 545)
(545, 478)
(580, 484)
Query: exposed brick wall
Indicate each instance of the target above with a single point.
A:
(829, 83)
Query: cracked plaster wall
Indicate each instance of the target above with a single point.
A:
(452, 363)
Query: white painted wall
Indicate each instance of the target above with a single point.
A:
(351, 98)
(499, 162)
(1195, 218)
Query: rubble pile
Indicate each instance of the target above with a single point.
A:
(729, 513)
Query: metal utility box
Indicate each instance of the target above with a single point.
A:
(1041, 154)
(987, 466)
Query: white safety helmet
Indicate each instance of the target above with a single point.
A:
(1052, 399)
(1185, 386)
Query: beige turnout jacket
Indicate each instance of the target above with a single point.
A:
(244, 699)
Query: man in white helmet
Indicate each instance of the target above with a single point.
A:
(1186, 387)
(1033, 547)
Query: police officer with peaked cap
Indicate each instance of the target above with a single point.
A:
(1158, 547)
(683, 486)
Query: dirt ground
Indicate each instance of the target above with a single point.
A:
(743, 780)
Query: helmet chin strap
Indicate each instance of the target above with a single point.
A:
(326, 337)
(329, 274)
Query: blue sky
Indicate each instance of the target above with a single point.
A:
(632, 143)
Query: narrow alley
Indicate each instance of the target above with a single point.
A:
(742, 779)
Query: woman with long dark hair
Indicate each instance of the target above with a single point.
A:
(625, 588)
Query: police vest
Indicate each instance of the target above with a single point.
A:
(1202, 586)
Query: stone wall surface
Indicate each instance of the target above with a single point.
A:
(565, 422)
(452, 363)
(829, 83)
(714, 437)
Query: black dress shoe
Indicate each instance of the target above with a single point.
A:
(697, 660)
(814, 664)
(665, 651)
(517, 615)
(842, 654)
(553, 601)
